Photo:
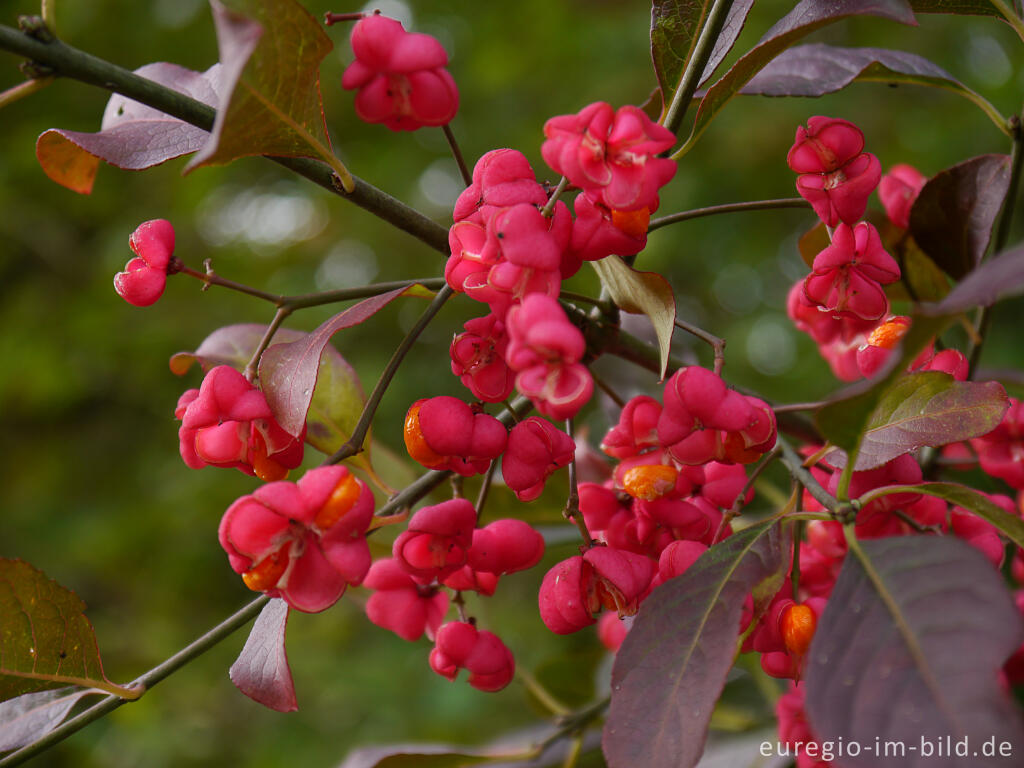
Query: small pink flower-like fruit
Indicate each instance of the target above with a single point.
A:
(848, 275)
(501, 178)
(825, 145)
(536, 449)
(836, 176)
(446, 433)
(400, 604)
(1001, 451)
(505, 546)
(898, 190)
(460, 645)
(227, 423)
(437, 540)
(612, 155)
(636, 431)
(145, 276)
(574, 591)
(400, 77)
(305, 541)
(478, 359)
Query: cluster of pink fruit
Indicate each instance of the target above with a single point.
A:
(841, 304)
(679, 468)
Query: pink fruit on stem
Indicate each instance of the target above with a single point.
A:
(436, 541)
(460, 645)
(446, 433)
(536, 448)
(227, 423)
(612, 155)
(898, 190)
(305, 541)
(400, 604)
(400, 77)
(143, 280)
(848, 275)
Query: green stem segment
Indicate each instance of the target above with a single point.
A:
(355, 443)
(695, 66)
(143, 683)
(712, 210)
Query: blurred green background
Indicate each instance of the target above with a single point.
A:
(92, 490)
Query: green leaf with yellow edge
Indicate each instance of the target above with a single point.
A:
(46, 641)
(270, 103)
(641, 293)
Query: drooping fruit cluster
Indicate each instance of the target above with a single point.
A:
(841, 304)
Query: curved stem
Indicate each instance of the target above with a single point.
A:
(460, 161)
(268, 336)
(712, 210)
(717, 344)
(21, 90)
(572, 505)
(803, 476)
(549, 206)
(355, 442)
(73, 63)
(1010, 15)
(144, 683)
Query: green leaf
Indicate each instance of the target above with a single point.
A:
(908, 651)
(46, 641)
(641, 293)
(806, 17)
(672, 666)
(965, 497)
(270, 104)
(927, 408)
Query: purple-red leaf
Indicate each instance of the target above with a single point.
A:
(908, 651)
(814, 70)
(31, 716)
(261, 670)
(734, 23)
(952, 218)
(672, 666)
(927, 408)
(132, 136)
(270, 100)
(288, 372)
(46, 641)
(999, 277)
(806, 17)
